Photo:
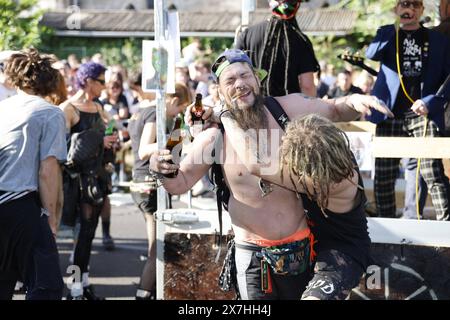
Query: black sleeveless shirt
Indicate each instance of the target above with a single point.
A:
(88, 120)
(345, 232)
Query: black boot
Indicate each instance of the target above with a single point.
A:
(108, 242)
(89, 293)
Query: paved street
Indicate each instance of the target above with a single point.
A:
(115, 274)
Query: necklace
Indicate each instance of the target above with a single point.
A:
(409, 33)
(265, 187)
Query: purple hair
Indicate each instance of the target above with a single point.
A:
(88, 70)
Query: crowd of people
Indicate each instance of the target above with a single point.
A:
(300, 230)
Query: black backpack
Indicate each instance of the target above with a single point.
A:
(86, 151)
(222, 190)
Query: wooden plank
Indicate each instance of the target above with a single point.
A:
(390, 147)
(409, 232)
(357, 126)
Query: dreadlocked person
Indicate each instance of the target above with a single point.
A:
(273, 241)
(32, 146)
(279, 46)
(317, 155)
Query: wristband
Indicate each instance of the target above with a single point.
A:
(159, 177)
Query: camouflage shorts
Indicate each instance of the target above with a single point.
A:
(335, 275)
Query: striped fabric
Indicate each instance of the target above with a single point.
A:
(6, 196)
(387, 169)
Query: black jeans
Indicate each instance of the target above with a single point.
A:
(28, 251)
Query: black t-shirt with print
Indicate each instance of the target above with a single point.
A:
(252, 40)
(411, 45)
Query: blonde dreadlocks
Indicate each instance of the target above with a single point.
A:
(315, 149)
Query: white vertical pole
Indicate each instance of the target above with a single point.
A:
(247, 7)
(160, 35)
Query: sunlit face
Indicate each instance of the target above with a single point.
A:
(344, 81)
(238, 86)
(174, 107)
(114, 89)
(181, 75)
(409, 12)
(96, 85)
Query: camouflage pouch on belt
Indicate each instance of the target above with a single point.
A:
(288, 259)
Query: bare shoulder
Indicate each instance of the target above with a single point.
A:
(346, 188)
(69, 109)
(66, 105)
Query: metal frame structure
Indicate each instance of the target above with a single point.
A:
(160, 35)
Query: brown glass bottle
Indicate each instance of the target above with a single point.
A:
(197, 111)
(175, 139)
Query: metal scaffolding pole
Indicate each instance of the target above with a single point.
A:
(160, 35)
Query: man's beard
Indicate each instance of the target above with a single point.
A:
(253, 117)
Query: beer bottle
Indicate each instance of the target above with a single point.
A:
(197, 111)
(110, 129)
(175, 139)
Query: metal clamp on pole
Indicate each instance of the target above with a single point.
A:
(176, 216)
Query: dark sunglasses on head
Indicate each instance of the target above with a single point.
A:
(407, 4)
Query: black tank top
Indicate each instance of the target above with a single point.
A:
(88, 120)
(345, 232)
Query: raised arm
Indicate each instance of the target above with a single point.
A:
(255, 155)
(346, 108)
(194, 166)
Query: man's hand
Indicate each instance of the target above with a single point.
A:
(363, 104)
(53, 223)
(159, 162)
(419, 108)
(208, 116)
(109, 141)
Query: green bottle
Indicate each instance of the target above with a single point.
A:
(110, 129)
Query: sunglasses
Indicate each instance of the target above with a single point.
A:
(102, 81)
(408, 4)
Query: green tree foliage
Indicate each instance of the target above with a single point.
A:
(212, 46)
(124, 51)
(19, 24)
(371, 14)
